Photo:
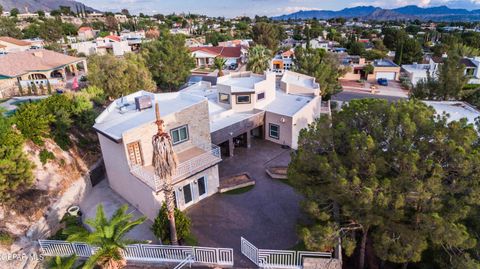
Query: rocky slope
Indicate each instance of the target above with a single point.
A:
(45, 5)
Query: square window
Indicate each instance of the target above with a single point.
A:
(261, 96)
(224, 98)
(179, 134)
(274, 131)
(243, 99)
(187, 194)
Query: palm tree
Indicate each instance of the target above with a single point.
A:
(219, 63)
(164, 164)
(258, 59)
(62, 263)
(107, 235)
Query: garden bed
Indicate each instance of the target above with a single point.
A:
(277, 172)
(238, 181)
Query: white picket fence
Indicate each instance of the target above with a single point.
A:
(145, 253)
(288, 259)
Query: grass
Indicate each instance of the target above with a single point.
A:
(240, 191)
(6, 239)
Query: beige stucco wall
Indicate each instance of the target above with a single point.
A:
(123, 182)
(8, 87)
(285, 128)
(372, 77)
(308, 114)
(351, 76)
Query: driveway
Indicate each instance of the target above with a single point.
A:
(267, 215)
(394, 88)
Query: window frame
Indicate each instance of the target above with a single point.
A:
(205, 184)
(270, 131)
(191, 194)
(243, 95)
(130, 161)
(178, 129)
(220, 99)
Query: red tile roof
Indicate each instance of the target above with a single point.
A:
(225, 52)
(84, 29)
(114, 38)
(14, 41)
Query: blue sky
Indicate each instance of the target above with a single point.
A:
(231, 8)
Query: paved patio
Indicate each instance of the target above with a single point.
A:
(267, 215)
(103, 194)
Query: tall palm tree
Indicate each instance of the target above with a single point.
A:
(219, 63)
(259, 58)
(107, 235)
(164, 164)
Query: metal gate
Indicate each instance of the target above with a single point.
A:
(249, 250)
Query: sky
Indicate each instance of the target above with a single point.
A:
(232, 8)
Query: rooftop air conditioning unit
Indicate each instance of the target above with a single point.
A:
(143, 102)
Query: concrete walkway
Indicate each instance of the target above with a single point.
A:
(103, 194)
(267, 215)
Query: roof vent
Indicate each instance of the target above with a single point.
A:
(143, 102)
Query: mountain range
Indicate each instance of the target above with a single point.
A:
(45, 5)
(440, 13)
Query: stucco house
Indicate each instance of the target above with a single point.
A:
(39, 67)
(206, 123)
(205, 56)
(101, 46)
(382, 68)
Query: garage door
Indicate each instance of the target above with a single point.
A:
(387, 75)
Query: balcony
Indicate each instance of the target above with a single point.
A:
(190, 161)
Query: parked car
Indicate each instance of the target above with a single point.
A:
(233, 66)
(382, 81)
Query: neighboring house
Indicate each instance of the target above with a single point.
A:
(318, 43)
(456, 110)
(86, 33)
(11, 44)
(101, 46)
(195, 42)
(382, 68)
(205, 56)
(418, 72)
(38, 67)
(282, 62)
(472, 69)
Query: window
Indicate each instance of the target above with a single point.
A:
(202, 186)
(135, 153)
(274, 131)
(187, 194)
(261, 96)
(224, 98)
(243, 99)
(179, 134)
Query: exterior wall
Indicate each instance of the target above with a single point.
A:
(304, 117)
(213, 182)
(9, 47)
(268, 87)
(372, 77)
(120, 48)
(8, 87)
(124, 183)
(243, 107)
(285, 124)
(351, 76)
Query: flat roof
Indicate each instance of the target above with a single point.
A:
(241, 84)
(300, 80)
(121, 115)
(384, 63)
(456, 110)
(287, 104)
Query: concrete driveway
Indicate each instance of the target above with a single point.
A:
(267, 215)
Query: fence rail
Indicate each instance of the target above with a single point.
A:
(287, 259)
(145, 253)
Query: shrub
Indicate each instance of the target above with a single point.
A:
(6, 239)
(46, 155)
(161, 226)
(33, 121)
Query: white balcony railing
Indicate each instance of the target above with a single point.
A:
(210, 157)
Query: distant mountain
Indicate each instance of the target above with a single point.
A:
(440, 13)
(45, 5)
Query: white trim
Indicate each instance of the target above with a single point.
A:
(200, 197)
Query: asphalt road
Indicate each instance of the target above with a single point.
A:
(346, 96)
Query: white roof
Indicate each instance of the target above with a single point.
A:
(455, 109)
(227, 118)
(301, 80)
(242, 84)
(121, 115)
(287, 104)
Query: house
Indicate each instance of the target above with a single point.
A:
(11, 44)
(205, 56)
(282, 61)
(472, 69)
(109, 44)
(205, 123)
(382, 68)
(417, 72)
(318, 43)
(455, 110)
(39, 67)
(86, 33)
